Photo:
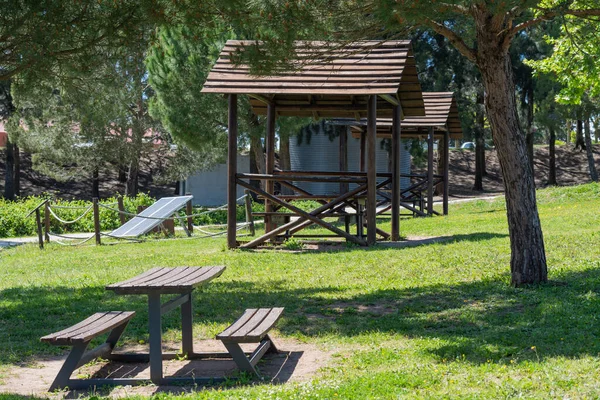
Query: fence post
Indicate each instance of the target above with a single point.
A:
(47, 221)
(96, 220)
(121, 207)
(189, 211)
(38, 220)
(249, 218)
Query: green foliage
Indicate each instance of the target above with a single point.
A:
(293, 244)
(14, 224)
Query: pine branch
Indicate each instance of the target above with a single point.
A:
(453, 38)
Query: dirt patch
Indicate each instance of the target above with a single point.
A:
(295, 362)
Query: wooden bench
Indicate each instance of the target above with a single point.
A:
(79, 337)
(252, 327)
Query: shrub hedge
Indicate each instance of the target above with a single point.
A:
(14, 224)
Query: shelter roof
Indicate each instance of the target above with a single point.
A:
(327, 79)
(441, 113)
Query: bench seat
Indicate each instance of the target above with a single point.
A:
(89, 328)
(79, 337)
(252, 327)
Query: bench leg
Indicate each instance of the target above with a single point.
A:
(63, 377)
(240, 358)
(247, 363)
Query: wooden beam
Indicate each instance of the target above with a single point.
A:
(396, 174)
(262, 98)
(446, 170)
(231, 172)
(390, 99)
(270, 162)
(371, 170)
(430, 172)
(312, 217)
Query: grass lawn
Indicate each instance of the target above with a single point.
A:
(435, 321)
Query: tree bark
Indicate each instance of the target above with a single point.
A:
(530, 137)
(17, 170)
(479, 142)
(528, 256)
(590, 151)
(131, 186)
(96, 183)
(569, 127)
(256, 148)
(9, 176)
(285, 162)
(552, 157)
(579, 141)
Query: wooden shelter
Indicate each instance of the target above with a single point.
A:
(441, 122)
(369, 79)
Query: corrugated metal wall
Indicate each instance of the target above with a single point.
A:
(322, 154)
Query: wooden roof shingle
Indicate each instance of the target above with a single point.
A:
(327, 79)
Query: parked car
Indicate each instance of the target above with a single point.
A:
(468, 146)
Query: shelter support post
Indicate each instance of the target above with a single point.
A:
(363, 150)
(270, 163)
(430, 171)
(344, 158)
(371, 170)
(446, 170)
(232, 171)
(396, 174)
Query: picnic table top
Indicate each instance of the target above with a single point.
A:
(164, 280)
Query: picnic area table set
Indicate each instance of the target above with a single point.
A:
(252, 327)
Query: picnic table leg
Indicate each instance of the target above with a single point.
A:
(187, 337)
(155, 330)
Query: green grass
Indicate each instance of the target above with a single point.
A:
(435, 321)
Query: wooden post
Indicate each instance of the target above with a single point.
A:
(47, 221)
(344, 158)
(38, 221)
(363, 150)
(121, 207)
(96, 220)
(446, 169)
(396, 174)
(249, 218)
(189, 210)
(430, 171)
(371, 169)
(270, 163)
(231, 172)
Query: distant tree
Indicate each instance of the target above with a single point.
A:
(574, 63)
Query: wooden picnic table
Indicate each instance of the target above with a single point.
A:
(167, 281)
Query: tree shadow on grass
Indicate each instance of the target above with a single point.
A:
(474, 321)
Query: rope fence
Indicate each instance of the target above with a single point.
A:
(61, 239)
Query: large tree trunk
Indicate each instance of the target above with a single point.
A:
(131, 186)
(590, 151)
(17, 173)
(479, 142)
(579, 141)
(530, 136)
(9, 176)
(528, 256)
(552, 157)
